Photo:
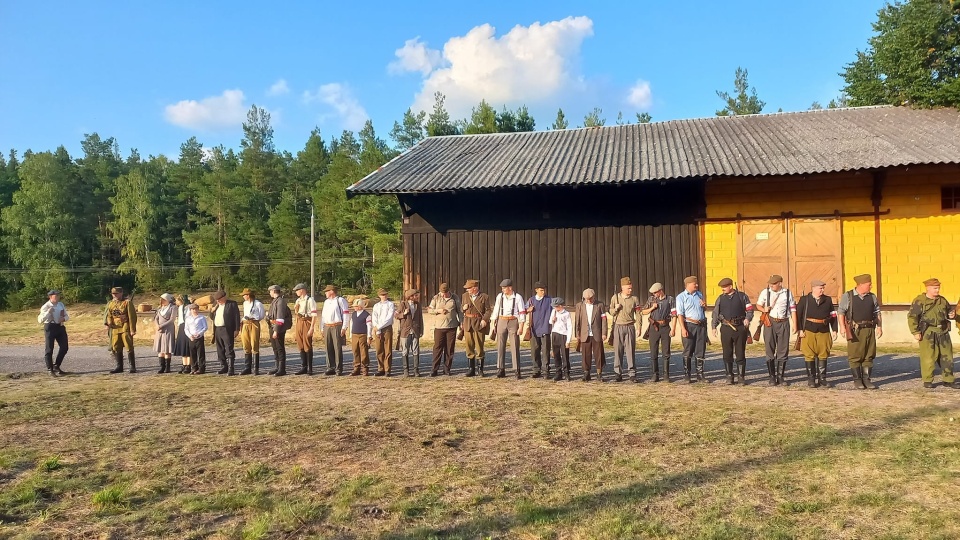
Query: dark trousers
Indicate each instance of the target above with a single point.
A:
(659, 346)
(734, 343)
(198, 355)
(592, 348)
(695, 344)
(561, 354)
(279, 347)
(776, 340)
(54, 333)
(333, 341)
(224, 340)
(540, 351)
(444, 345)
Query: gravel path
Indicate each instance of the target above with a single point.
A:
(892, 371)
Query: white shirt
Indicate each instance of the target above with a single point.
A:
(589, 308)
(253, 309)
(305, 306)
(782, 301)
(508, 306)
(50, 313)
(383, 315)
(334, 310)
(218, 318)
(195, 326)
(561, 324)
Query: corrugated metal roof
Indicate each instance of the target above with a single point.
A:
(757, 145)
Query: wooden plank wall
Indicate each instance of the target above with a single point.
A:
(567, 260)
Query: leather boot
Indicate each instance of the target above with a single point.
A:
(728, 366)
(480, 365)
(473, 366)
(132, 359)
(822, 374)
(782, 374)
(655, 365)
(169, 364)
(772, 371)
(309, 358)
(700, 375)
(501, 373)
(303, 364)
(256, 363)
(857, 373)
(686, 370)
(866, 379)
(742, 373)
(281, 367)
(666, 370)
(248, 364)
(118, 359)
(233, 365)
(163, 365)
(811, 374)
(559, 375)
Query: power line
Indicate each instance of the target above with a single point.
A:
(223, 265)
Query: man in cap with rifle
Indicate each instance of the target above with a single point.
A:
(477, 310)
(662, 311)
(624, 307)
(734, 311)
(816, 333)
(692, 319)
(121, 322)
(861, 325)
(777, 311)
(929, 320)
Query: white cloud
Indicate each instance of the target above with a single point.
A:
(340, 98)
(640, 95)
(415, 56)
(278, 88)
(215, 112)
(527, 65)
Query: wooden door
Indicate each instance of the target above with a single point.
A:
(763, 252)
(815, 253)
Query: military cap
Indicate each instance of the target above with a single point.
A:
(589, 293)
(299, 287)
(53, 292)
(219, 294)
(471, 283)
(506, 283)
(725, 282)
(329, 288)
(382, 292)
(690, 279)
(247, 291)
(274, 288)
(818, 283)
(444, 287)
(538, 285)
(557, 301)
(774, 279)
(116, 290)
(625, 281)
(862, 278)
(932, 282)
(656, 287)
(410, 292)
(168, 297)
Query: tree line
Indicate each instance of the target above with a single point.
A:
(224, 218)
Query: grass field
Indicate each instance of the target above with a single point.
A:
(96, 457)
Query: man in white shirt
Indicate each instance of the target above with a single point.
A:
(561, 328)
(335, 312)
(509, 312)
(253, 313)
(195, 326)
(383, 332)
(52, 316)
(305, 310)
(779, 307)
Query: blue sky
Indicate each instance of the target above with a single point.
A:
(152, 74)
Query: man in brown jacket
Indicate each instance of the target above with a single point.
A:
(410, 315)
(476, 312)
(590, 329)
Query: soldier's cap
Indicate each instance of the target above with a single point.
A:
(557, 301)
(818, 283)
(725, 282)
(219, 294)
(410, 292)
(471, 283)
(932, 282)
(52, 292)
(116, 290)
(656, 287)
(300, 287)
(193, 306)
(690, 279)
(625, 281)
(589, 293)
(329, 288)
(506, 283)
(247, 291)
(168, 297)
(444, 287)
(382, 292)
(862, 278)
(274, 288)
(774, 279)
(360, 302)
(539, 285)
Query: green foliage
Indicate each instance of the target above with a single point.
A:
(483, 119)
(744, 100)
(644, 118)
(111, 498)
(438, 123)
(411, 131)
(560, 122)
(594, 118)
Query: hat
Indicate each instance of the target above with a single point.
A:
(382, 292)
(168, 297)
(274, 288)
(360, 302)
(589, 293)
(116, 290)
(690, 279)
(471, 283)
(656, 287)
(556, 302)
(330, 288)
(410, 292)
(219, 294)
(506, 283)
(862, 278)
(774, 279)
(725, 282)
(193, 306)
(625, 281)
(818, 283)
(247, 291)
(444, 287)
(299, 287)
(538, 285)
(52, 292)
(932, 282)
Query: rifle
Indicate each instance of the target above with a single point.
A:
(650, 301)
(802, 320)
(848, 321)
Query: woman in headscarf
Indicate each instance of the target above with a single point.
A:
(181, 347)
(165, 320)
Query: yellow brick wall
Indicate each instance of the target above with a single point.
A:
(720, 254)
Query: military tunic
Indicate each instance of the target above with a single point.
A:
(935, 346)
(122, 321)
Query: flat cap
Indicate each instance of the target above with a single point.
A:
(625, 281)
(818, 283)
(52, 292)
(330, 288)
(300, 287)
(862, 278)
(382, 292)
(589, 293)
(247, 291)
(538, 285)
(471, 283)
(557, 301)
(219, 294)
(193, 306)
(506, 283)
(690, 279)
(410, 292)
(774, 279)
(932, 282)
(274, 288)
(116, 290)
(725, 282)
(444, 287)
(656, 287)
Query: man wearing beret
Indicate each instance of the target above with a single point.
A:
(861, 325)
(253, 313)
(929, 320)
(410, 315)
(121, 319)
(590, 329)
(778, 304)
(447, 309)
(624, 307)
(52, 316)
(509, 312)
(817, 332)
(692, 319)
(662, 311)
(279, 320)
(734, 311)
(383, 332)
(305, 310)
(539, 311)
(333, 316)
(226, 328)
(476, 312)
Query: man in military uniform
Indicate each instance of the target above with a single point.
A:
(476, 312)
(861, 325)
(121, 320)
(734, 311)
(929, 320)
(623, 311)
(692, 319)
(661, 310)
(817, 332)
(779, 308)
(279, 319)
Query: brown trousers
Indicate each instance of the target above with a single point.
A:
(383, 344)
(444, 345)
(302, 327)
(592, 348)
(361, 353)
(250, 337)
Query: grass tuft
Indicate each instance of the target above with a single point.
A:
(111, 498)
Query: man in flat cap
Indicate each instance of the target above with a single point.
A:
(779, 311)
(477, 310)
(539, 311)
(360, 334)
(817, 332)
(253, 313)
(279, 320)
(661, 311)
(509, 312)
(334, 313)
(734, 311)
(624, 307)
(121, 319)
(410, 315)
(52, 316)
(692, 320)
(590, 327)
(383, 332)
(447, 309)
(929, 320)
(861, 325)
(226, 328)
(561, 326)
(305, 309)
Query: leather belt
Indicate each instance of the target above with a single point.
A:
(661, 323)
(470, 315)
(507, 318)
(817, 321)
(694, 321)
(865, 324)
(776, 319)
(334, 324)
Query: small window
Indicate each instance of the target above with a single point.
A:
(950, 197)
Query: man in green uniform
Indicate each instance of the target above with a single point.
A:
(861, 325)
(929, 320)
(121, 319)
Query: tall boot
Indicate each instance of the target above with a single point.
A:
(480, 365)
(472, 372)
(163, 364)
(811, 374)
(256, 363)
(655, 364)
(782, 373)
(666, 369)
(310, 362)
(233, 365)
(303, 364)
(857, 373)
(118, 359)
(866, 378)
(772, 371)
(728, 366)
(281, 366)
(248, 364)
(132, 359)
(742, 373)
(700, 376)
(686, 369)
(822, 374)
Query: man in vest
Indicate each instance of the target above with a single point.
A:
(778, 305)
(818, 330)
(539, 311)
(121, 319)
(662, 311)
(476, 312)
(279, 319)
(861, 325)
(929, 320)
(734, 311)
